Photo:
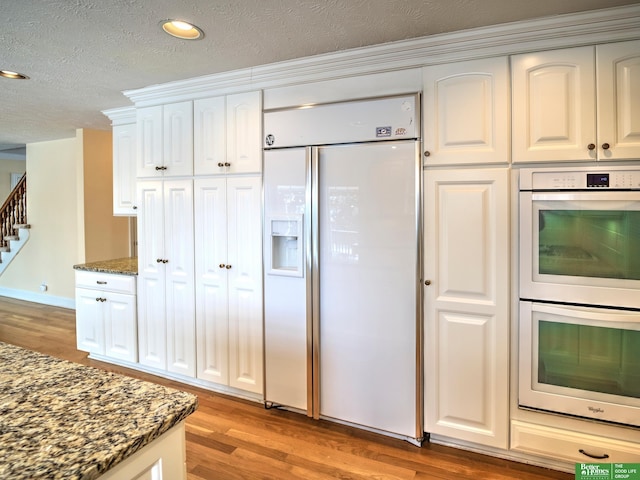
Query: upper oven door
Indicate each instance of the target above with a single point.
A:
(580, 247)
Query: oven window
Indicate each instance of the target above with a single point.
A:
(583, 357)
(589, 243)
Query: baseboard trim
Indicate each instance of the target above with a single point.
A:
(42, 298)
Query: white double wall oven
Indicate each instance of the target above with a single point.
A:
(579, 324)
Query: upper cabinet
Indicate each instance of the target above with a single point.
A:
(124, 169)
(577, 104)
(618, 100)
(228, 134)
(165, 140)
(466, 112)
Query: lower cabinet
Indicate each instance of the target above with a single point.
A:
(200, 279)
(106, 315)
(228, 249)
(466, 305)
(570, 446)
(165, 276)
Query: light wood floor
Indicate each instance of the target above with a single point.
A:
(229, 438)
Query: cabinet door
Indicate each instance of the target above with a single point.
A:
(209, 136)
(89, 320)
(149, 141)
(179, 276)
(554, 107)
(152, 342)
(124, 169)
(245, 282)
(619, 100)
(177, 139)
(466, 112)
(212, 315)
(466, 306)
(120, 327)
(244, 132)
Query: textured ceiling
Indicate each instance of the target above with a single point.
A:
(81, 54)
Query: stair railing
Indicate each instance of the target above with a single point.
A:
(13, 212)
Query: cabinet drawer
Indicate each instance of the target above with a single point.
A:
(567, 445)
(107, 282)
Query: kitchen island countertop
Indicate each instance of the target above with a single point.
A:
(120, 266)
(62, 420)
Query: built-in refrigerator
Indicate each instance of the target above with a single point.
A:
(342, 263)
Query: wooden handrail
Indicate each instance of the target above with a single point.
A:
(13, 211)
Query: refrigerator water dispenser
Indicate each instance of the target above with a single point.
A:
(286, 245)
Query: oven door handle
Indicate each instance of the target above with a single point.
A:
(586, 313)
(608, 196)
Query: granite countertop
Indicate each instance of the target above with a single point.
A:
(62, 420)
(121, 266)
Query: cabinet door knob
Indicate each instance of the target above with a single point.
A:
(227, 164)
(158, 260)
(427, 153)
(135, 207)
(591, 146)
(605, 146)
(222, 265)
(227, 267)
(165, 260)
(220, 164)
(101, 282)
(427, 282)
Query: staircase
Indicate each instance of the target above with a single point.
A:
(14, 229)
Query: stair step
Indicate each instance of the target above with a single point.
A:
(12, 237)
(5, 249)
(21, 225)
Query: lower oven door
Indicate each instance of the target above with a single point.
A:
(580, 361)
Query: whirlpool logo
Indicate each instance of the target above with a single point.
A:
(595, 409)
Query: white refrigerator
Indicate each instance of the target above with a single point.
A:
(342, 231)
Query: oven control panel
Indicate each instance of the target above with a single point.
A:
(586, 180)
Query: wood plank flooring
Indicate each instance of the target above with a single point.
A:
(229, 438)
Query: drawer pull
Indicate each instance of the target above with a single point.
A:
(101, 282)
(598, 457)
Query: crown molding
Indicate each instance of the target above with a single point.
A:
(121, 115)
(561, 31)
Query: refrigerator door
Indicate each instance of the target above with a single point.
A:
(285, 281)
(367, 284)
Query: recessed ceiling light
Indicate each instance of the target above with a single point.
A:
(13, 75)
(180, 29)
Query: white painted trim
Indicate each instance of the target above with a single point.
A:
(561, 31)
(42, 298)
(121, 115)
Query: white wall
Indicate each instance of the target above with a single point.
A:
(52, 249)
(70, 210)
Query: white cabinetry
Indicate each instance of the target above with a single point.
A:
(166, 275)
(466, 305)
(106, 314)
(229, 281)
(228, 134)
(466, 112)
(124, 169)
(570, 446)
(577, 104)
(165, 140)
